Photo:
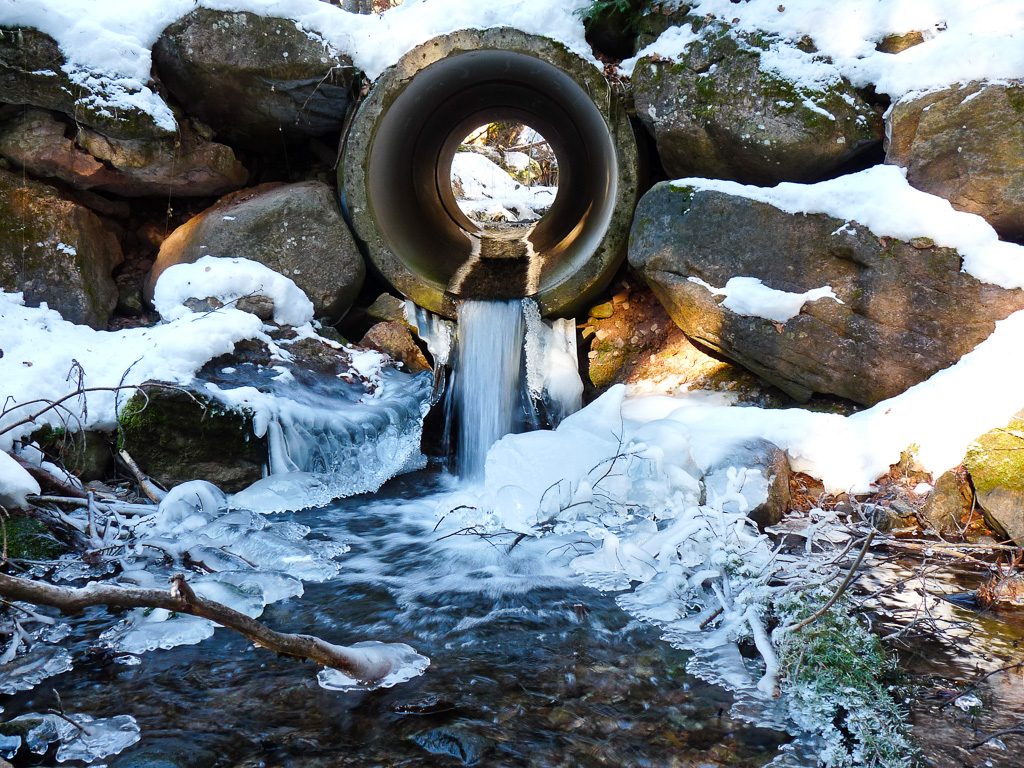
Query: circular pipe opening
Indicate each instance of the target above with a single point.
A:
(397, 168)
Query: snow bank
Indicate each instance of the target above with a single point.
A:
(981, 40)
(881, 199)
(44, 356)
(108, 45)
(15, 482)
(489, 191)
(229, 280)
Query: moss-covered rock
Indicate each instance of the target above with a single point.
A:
(718, 112)
(255, 79)
(964, 144)
(56, 251)
(995, 462)
(176, 436)
(185, 165)
(28, 539)
(295, 229)
(31, 72)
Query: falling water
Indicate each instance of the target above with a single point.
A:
(487, 379)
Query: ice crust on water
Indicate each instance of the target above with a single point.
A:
(84, 739)
(404, 661)
(26, 671)
(252, 561)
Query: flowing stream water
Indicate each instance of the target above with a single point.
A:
(528, 667)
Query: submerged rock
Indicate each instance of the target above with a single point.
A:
(996, 466)
(255, 79)
(964, 144)
(32, 72)
(719, 113)
(902, 311)
(295, 229)
(56, 251)
(185, 165)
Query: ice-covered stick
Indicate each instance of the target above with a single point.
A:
(363, 664)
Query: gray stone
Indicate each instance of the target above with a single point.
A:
(295, 229)
(964, 144)
(176, 436)
(255, 80)
(31, 73)
(185, 165)
(773, 465)
(57, 251)
(906, 312)
(717, 113)
(387, 307)
(950, 498)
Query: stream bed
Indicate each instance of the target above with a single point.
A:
(528, 667)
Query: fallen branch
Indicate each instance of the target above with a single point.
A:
(147, 486)
(361, 664)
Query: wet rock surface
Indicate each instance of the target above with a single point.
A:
(718, 113)
(907, 335)
(295, 229)
(255, 79)
(964, 144)
(395, 339)
(56, 251)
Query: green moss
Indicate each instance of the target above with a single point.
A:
(1015, 98)
(996, 459)
(838, 675)
(28, 539)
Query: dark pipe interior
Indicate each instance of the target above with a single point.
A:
(409, 165)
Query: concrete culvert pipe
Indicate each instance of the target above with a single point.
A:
(396, 171)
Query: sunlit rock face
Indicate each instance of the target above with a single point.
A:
(295, 229)
(996, 466)
(900, 312)
(964, 144)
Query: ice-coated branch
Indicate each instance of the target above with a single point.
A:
(363, 664)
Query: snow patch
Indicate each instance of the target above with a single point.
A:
(750, 297)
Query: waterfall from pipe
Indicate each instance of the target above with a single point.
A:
(488, 378)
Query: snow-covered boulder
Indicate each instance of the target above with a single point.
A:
(255, 79)
(33, 71)
(56, 251)
(832, 288)
(185, 165)
(716, 110)
(295, 229)
(964, 143)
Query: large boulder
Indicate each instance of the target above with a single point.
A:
(185, 165)
(718, 113)
(965, 144)
(904, 310)
(56, 251)
(995, 462)
(32, 73)
(295, 229)
(254, 79)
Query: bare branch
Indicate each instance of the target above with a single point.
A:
(353, 662)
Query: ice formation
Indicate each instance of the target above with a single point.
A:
(552, 368)
(79, 737)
